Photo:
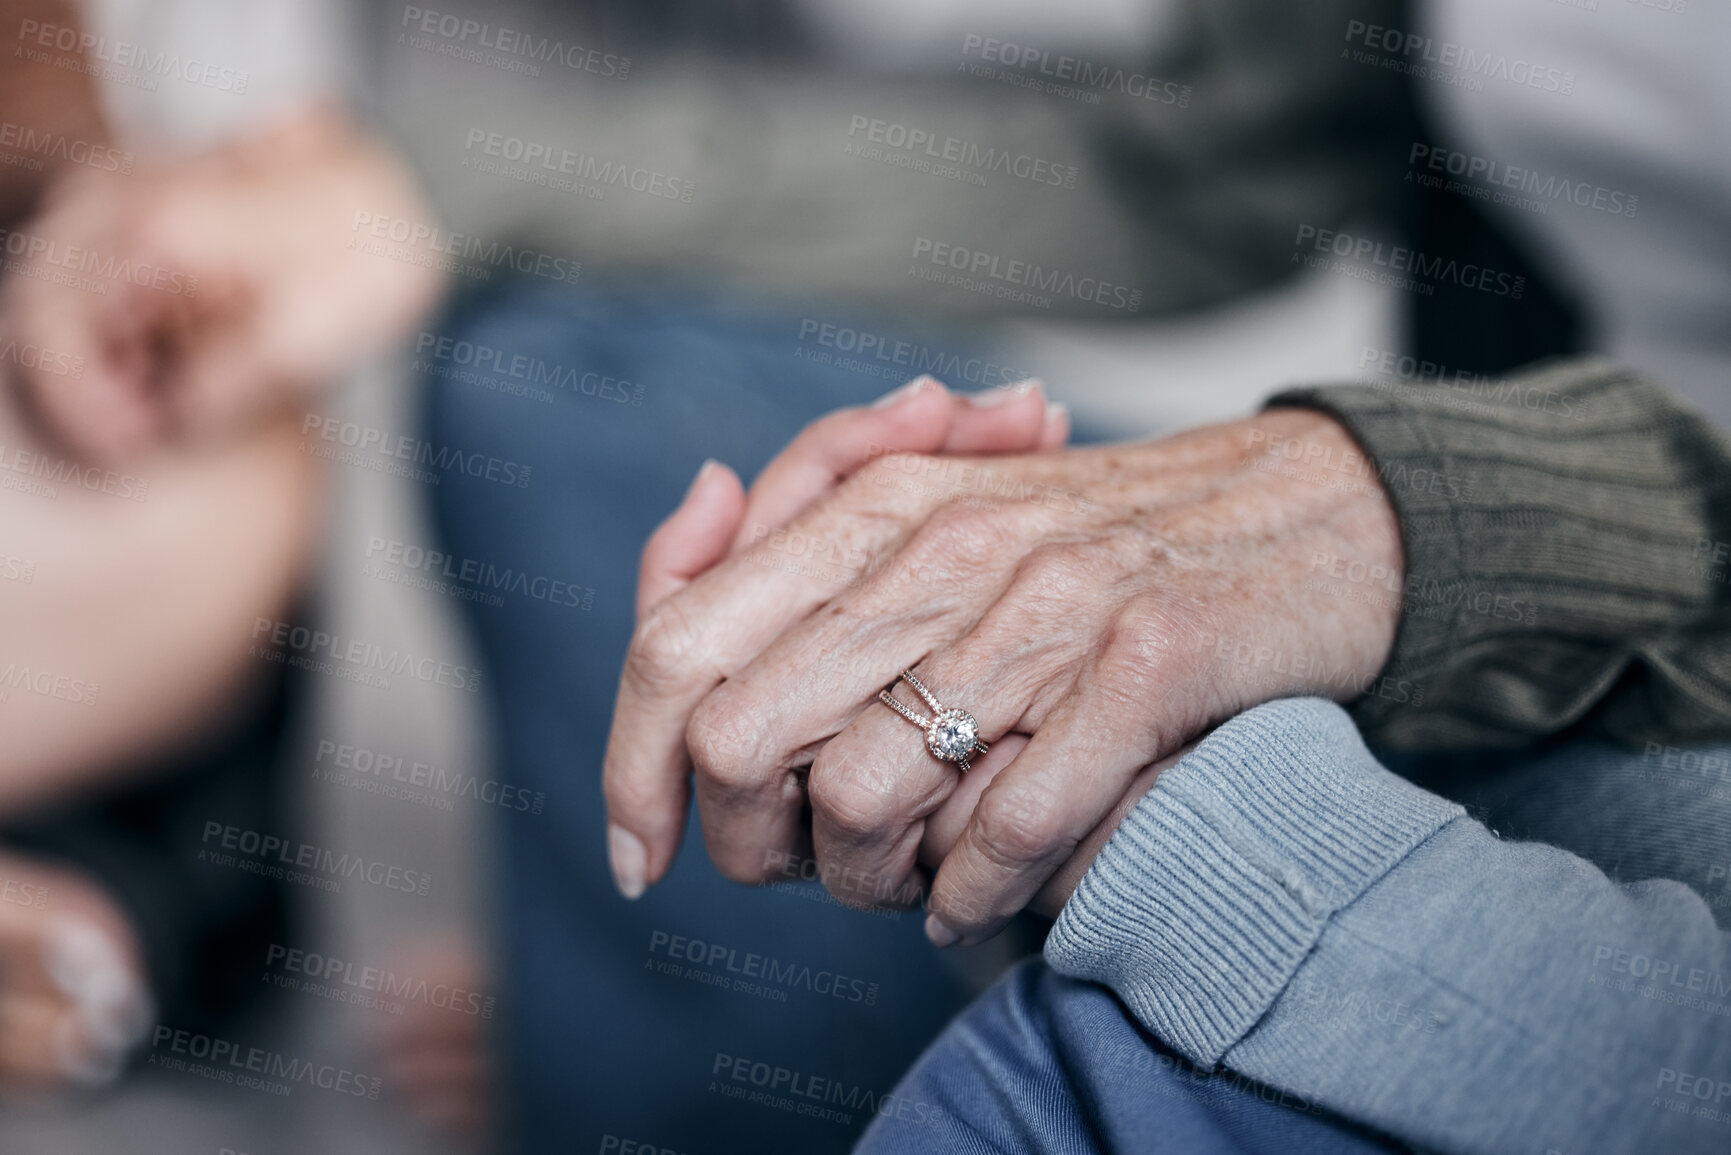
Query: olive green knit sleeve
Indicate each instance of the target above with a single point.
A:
(1567, 534)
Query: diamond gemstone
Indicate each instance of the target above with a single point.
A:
(953, 735)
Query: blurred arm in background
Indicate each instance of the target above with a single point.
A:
(159, 320)
(194, 302)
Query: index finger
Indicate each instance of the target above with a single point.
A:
(691, 641)
(1015, 418)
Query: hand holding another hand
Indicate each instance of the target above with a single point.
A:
(1093, 599)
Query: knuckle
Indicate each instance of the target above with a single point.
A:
(1151, 631)
(1153, 663)
(884, 474)
(1056, 572)
(1019, 826)
(665, 651)
(855, 803)
(727, 742)
(963, 536)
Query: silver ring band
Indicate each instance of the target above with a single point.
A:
(951, 735)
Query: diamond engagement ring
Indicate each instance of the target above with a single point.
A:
(951, 735)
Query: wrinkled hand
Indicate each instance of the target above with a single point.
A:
(1101, 601)
(181, 300)
(717, 518)
(73, 999)
(946, 825)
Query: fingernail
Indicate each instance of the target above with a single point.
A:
(902, 393)
(940, 934)
(1004, 394)
(108, 996)
(85, 1063)
(629, 860)
(83, 962)
(1055, 410)
(703, 471)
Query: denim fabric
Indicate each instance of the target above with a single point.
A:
(1048, 1065)
(598, 1041)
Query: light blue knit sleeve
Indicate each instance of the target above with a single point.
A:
(1282, 905)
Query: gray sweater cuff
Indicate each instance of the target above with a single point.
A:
(1216, 886)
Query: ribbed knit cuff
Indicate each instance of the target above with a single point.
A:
(1215, 887)
(1548, 520)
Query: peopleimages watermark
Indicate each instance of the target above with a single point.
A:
(1511, 184)
(1660, 980)
(1071, 77)
(881, 355)
(29, 355)
(88, 270)
(1010, 279)
(1414, 595)
(951, 157)
(816, 1096)
(1707, 771)
(794, 873)
(399, 777)
(476, 363)
(46, 684)
(115, 60)
(17, 569)
(37, 146)
(1699, 1096)
(353, 659)
(1410, 269)
(507, 49)
(460, 254)
(1711, 559)
(948, 477)
(1318, 1001)
(1290, 666)
(1414, 54)
(26, 894)
(615, 1145)
(393, 449)
(39, 473)
(1465, 390)
(747, 972)
(1350, 470)
(373, 988)
(254, 1068)
(557, 168)
(477, 579)
(302, 863)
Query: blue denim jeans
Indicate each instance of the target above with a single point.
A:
(700, 1018)
(1049, 1065)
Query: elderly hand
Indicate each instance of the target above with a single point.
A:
(184, 299)
(1101, 601)
(946, 825)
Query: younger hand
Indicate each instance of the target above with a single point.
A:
(73, 997)
(184, 299)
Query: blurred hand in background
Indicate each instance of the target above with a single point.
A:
(197, 295)
(73, 996)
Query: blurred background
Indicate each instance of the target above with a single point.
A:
(487, 281)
